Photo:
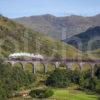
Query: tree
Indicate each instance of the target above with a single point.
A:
(97, 71)
(12, 79)
(59, 78)
(2, 92)
(97, 88)
(87, 83)
(75, 76)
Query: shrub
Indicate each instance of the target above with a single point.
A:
(97, 71)
(75, 77)
(97, 86)
(88, 83)
(41, 93)
(12, 79)
(99, 98)
(59, 78)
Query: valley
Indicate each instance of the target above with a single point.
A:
(70, 74)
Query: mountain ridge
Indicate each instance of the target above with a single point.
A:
(92, 35)
(55, 26)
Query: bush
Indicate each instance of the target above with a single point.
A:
(12, 79)
(97, 71)
(41, 93)
(97, 86)
(75, 77)
(99, 98)
(59, 78)
(87, 83)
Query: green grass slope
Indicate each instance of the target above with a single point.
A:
(16, 38)
(66, 94)
(95, 53)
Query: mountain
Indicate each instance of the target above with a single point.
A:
(16, 38)
(59, 27)
(90, 39)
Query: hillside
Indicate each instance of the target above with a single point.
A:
(96, 53)
(16, 38)
(91, 35)
(54, 26)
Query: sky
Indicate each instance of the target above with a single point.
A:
(20, 8)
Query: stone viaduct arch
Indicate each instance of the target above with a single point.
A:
(55, 63)
(18, 64)
(29, 66)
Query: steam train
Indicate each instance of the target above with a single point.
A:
(25, 56)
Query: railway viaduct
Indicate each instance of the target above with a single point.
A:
(56, 63)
